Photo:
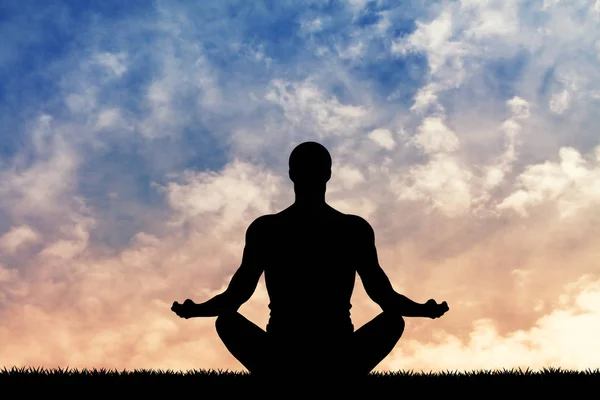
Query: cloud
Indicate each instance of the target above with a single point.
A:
(348, 175)
(559, 102)
(17, 237)
(384, 138)
(303, 103)
(238, 191)
(443, 181)
(313, 25)
(116, 63)
(434, 137)
(563, 331)
(168, 97)
(519, 107)
(425, 97)
(572, 184)
(40, 187)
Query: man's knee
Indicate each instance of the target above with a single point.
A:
(225, 322)
(395, 322)
(401, 324)
(400, 321)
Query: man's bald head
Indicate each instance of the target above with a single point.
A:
(310, 163)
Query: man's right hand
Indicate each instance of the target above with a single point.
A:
(435, 310)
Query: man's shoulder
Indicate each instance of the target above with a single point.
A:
(262, 222)
(357, 222)
(268, 222)
(258, 229)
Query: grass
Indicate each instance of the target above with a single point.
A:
(210, 382)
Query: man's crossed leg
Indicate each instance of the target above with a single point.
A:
(263, 353)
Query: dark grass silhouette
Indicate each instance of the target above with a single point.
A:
(310, 254)
(211, 383)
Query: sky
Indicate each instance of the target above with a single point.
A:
(139, 139)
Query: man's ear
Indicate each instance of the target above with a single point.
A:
(291, 174)
(328, 176)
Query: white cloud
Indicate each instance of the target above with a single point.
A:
(75, 239)
(358, 206)
(115, 62)
(357, 5)
(425, 97)
(384, 23)
(572, 184)
(460, 38)
(496, 173)
(433, 38)
(446, 182)
(559, 102)
(313, 25)
(239, 190)
(572, 331)
(17, 237)
(442, 183)
(491, 18)
(304, 103)
(185, 86)
(434, 136)
(40, 187)
(353, 51)
(519, 107)
(383, 137)
(348, 175)
(108, 118)
(83, 102)
(549, 3)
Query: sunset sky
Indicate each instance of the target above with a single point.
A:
(139, 139)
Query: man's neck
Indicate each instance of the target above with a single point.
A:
(310, 202)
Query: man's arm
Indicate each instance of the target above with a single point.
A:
(242, 284)
(377, 284)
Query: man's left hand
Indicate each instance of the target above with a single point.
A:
(185, 310)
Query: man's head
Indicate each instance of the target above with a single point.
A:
(310, 164)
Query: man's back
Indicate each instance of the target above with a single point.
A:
(310, 263)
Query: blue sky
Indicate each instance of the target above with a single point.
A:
(59, 48)
(141, 138)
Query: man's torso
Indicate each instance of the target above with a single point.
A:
(310, 268)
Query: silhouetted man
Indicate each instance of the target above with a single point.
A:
(310, 254)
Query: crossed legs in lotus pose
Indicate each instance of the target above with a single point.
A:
(263, 353)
